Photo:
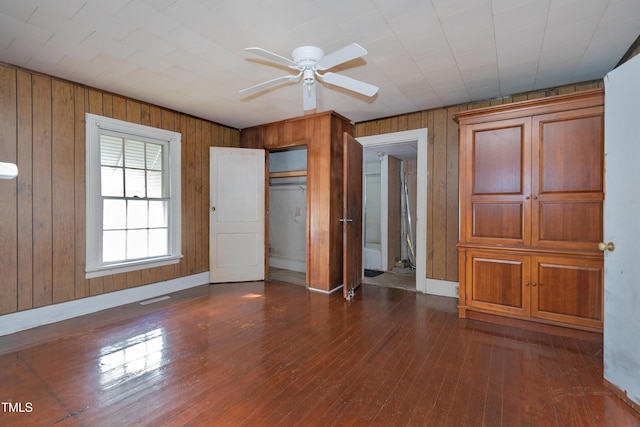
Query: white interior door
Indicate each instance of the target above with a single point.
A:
(622, 228)
(236, 214)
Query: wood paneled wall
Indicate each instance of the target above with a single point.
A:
(42, 212)
(442, 186)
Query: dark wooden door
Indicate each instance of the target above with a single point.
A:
(568, 179)
(498, 281)
(352, 215)
(496, 158)
(567, 289)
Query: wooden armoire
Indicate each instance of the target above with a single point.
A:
(322, 134)
(531, 211)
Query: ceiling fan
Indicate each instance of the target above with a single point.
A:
(309, 61)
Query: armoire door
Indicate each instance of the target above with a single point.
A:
(498, 282)
(568, 179)
(567, 289)
(496, 162)
(352, 215)
(236, 214)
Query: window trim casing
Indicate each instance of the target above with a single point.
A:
(93, 124)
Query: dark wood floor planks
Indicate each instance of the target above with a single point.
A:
(275, 354)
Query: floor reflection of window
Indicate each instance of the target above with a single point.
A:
(132, 357)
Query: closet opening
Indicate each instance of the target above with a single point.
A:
(287, 216)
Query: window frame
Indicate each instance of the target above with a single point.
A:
(95, 124)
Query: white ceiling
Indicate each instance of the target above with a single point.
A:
(188, 54)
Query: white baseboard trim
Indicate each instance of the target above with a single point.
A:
(442, 288)
(322, 291)
(22, 320)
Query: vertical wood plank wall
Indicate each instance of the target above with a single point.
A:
(442, 186)
(42, 212)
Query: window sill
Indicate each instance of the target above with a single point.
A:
(125, 267)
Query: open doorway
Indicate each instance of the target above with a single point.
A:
(287, 216)
(402, 152)
(389, 210)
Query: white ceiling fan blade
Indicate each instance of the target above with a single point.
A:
(270, 83)
(341, 56)
(349, 83)
(272, 57)
(309, 96)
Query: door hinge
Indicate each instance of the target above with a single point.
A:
(350, 294)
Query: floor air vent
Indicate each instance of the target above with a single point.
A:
(152, 300)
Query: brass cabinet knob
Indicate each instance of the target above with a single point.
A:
(213, 209)
(606, 246)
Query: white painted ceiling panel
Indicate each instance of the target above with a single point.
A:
(189, 55)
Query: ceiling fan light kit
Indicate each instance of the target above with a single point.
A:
(309, 60)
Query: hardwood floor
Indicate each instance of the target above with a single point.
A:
(287, 276)
(397, 278)
(275, 354)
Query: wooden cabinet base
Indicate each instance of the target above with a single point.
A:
(537, 325)
(545, 287)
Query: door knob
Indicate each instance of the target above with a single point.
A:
(606, 246)
(213, 209)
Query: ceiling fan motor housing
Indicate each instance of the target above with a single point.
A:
(307, 56)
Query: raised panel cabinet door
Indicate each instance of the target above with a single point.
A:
(568, 290)
(496, 187)
(498, 282)
(568, 179)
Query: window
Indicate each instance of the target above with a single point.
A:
(133, 196)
